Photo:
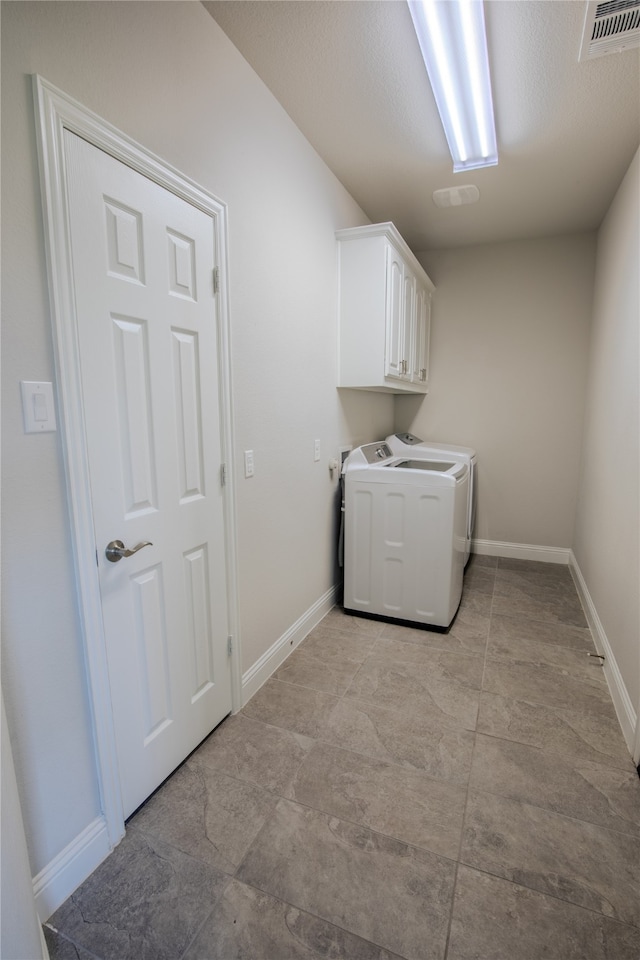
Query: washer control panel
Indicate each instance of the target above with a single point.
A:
(375, 452)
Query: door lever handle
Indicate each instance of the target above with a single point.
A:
(116, 550)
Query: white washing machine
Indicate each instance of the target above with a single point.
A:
(406, 444)
(405, 523)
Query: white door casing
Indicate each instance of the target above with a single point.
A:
(131, 345)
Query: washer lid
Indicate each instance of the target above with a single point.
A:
(434, 466)
(414, 447)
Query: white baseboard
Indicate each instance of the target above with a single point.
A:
(521, 551)
(278, 652)
(625, 709)
(57, 881)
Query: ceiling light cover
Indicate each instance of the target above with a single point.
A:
(452, 38)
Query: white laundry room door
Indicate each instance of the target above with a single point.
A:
(143, 275)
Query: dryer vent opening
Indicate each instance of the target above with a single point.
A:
(610, 27)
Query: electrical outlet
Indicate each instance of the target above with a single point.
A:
(316, 450)
(249, 468)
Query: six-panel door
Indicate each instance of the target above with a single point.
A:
(143, 262)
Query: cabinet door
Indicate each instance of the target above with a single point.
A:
(420, 353)
(408, 337)
(394, 356)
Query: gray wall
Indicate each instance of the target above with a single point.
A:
(509, 349)
(607, 539)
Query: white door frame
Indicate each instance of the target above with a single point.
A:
(55, 112)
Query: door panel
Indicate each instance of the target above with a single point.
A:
(143, 263)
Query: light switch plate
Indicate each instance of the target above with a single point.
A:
(38, 409)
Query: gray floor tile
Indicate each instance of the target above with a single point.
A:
(254, 751)
(394, 800)
(331, 675)
(479, 579)
(476, 603)
(468, 636)
(347, 622)
(337, 798)
(145, 902)
(533, 569)
(411, 739)
(62, 949)
(561, 634)
(576, 861)
(537, 585)
(587, 736)
(576, 788)
(247, 924)
(494, 919)
(291, 707)
(575, 663)
(446, 664)
(212, 817)
(470, 627)
(534, 605)
(326, 642)
(409, 686)
(547, 685)
(380, 889)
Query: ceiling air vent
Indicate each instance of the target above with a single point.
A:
(610, 28)
(456, 196)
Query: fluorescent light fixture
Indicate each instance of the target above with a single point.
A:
(453, 42)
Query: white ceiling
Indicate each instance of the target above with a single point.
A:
(350, 75)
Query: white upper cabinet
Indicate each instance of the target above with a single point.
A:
(384, 312)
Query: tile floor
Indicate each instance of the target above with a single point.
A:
(394, 793)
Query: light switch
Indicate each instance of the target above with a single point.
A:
(38, 410)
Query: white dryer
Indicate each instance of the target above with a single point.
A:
(405, 525)
(407, 444)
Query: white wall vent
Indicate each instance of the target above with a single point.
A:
(610, 27)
